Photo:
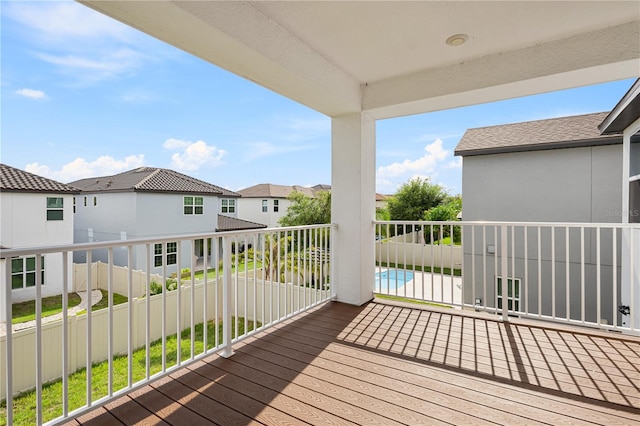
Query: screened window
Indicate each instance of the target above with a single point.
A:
(228, 206)
(265, 206)
(513, 294)
(276, 205)
(171, 255)
(55, 208)
(23, 272)
(193, 205)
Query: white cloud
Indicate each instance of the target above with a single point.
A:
(55, 20)
(80, 168)
(193, 155)
(32, 93)
(454, 164)
(262, 149)
(424, 165)
(83, 44)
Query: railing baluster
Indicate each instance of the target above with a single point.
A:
(226, 297)
(147, 338)
(614, 299)
(205, 297)
(89, 329)
(504, 271)
(567, 276)
(9, 345)
(582, 277)
(526, 270)
(553, 272)
(38, 302)
(65, 334)
(131, 323)
(110, 315)
(598, 278)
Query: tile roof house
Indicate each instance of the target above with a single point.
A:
(268, 203)
(34, 211)
(148, 202)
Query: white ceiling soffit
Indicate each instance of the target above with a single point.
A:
(390, 58)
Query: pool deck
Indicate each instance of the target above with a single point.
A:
(426, 286)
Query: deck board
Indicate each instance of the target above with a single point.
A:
(389, 364)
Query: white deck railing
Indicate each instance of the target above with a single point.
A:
(578, 273)
(265, 277)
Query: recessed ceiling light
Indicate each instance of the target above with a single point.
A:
(457, 39)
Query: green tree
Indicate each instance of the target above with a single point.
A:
(414, 198)
(305, 210)
(447, 211)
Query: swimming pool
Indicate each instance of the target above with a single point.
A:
(392, 279)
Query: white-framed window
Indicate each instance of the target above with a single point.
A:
(193, 205)
(276, 205)
(265, 206)
(74, 204)
(23, 272)
(171, 255)
(513, 293)
(85, 201)
(95, 201)
(228, 206)
(55, 208)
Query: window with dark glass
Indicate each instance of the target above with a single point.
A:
(171, 255)
(55, 210)
(193, 205)
(228, 206)
(23, 272)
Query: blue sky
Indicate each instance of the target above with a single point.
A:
(83, 95)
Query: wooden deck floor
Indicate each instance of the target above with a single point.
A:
(387, 365)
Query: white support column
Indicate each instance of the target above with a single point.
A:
(353, 178)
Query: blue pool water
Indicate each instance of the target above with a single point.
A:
(392, 279)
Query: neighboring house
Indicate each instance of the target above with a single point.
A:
(268, 203)
(149, 202)
(556, 170)
(34, 211)
(381, 201)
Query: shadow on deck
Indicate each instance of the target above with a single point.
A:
(388, 364)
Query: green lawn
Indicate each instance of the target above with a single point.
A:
(447, 242)
(26, 311)
(104, 302)
(211, 273)
(24, 406)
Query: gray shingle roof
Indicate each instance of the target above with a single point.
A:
(227, 223)
(16, 180)
(564, 132)
(151, 179)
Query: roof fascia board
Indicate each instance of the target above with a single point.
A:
(603, 141)
(614, 54)
(629, 97)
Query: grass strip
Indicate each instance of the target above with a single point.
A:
(24, 405)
